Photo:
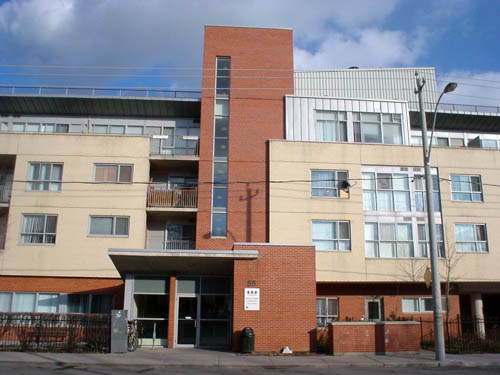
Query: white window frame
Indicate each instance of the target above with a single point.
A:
(118, 173)
(470, 192)
(420, 301)
(113, 227)
(381, 123)
(336, 240)
(43, 234)
(477, 243)
(335, 119)
(328, 318)
(336, 189)
(50, 182)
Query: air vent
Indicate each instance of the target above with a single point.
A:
(417, 169)
(407, 218)
(420, 218)
(403, 169)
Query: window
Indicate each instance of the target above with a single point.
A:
(377, 128)
(420, 305)
(331, 235)
(331, 126)
(466, 188)
(44, 176)
(423, 241)
(374, 309)
(386, 192)
(89, 303)
(29, 302)
(327, 183)
(38, 229)
(327, 311)
(420, 193)
(471, 238)
(109, 226)
(113, 173)
(388, 240)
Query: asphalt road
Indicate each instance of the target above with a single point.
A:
(53, 369)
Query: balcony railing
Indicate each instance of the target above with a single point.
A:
(174, 145)
(160, 196)
(179, 244)
(5, 190)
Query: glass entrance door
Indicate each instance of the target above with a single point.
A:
(187, 320)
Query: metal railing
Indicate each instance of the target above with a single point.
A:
(160, 196)
(465, 335)
(55, 332)
(179, 244)
(175, 145)
(142, 92)
(5, 191)
(478, 108)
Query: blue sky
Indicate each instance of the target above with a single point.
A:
(458, 37)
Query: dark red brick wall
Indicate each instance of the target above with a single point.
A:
(366, 337)
(64, 285)
(286, 278)
(256, 115)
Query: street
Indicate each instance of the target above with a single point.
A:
(39, 369)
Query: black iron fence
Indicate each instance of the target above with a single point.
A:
(464, 335)
(55, 332)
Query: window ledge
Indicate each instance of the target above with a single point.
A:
(36, 244)
(333, 251)
(106, 236)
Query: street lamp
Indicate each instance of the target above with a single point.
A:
(436, 285)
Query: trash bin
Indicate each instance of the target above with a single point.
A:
(247, 340)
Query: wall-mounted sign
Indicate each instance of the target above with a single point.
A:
(252, 299)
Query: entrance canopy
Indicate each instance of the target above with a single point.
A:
(193, 262)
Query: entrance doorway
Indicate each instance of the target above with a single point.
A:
(203, 312)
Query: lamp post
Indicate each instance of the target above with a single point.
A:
(436, 285)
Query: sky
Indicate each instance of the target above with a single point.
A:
(460, 38)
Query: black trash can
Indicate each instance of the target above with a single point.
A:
(247, 340)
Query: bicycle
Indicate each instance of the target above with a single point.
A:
(132, 340)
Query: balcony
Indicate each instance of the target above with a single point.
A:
(5, 190)
(2, 241)
(160, 196)
(171, 146)
(179, 244)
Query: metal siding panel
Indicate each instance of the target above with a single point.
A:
(376, 107)
(384, 107)
(355, 105)
(327, 104)
(289, 118)
(303, 117)
(362, 106)
(348, 105)
(369, 106)
(310, 119)
(296, 119)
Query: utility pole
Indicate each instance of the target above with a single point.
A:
(439, 347)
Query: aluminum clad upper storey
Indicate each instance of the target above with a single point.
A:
(385, 84)
(68, 104)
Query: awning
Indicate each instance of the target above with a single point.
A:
(177, 262)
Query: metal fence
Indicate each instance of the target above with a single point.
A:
(465, 335)
(161, 196)
(55, 332)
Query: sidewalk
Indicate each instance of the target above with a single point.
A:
(207, 358)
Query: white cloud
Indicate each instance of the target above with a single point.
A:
(369, 48)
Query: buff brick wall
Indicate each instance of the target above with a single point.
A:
(286, 278)
(64, 285)
(255, 116)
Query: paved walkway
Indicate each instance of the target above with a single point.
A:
(207, 358)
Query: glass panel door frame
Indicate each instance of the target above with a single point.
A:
(197, 320)
(380, 304)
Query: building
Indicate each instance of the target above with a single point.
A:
(273, 200)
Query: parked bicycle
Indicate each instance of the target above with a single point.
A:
(133, 340)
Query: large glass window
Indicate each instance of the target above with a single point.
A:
(466, 188)
(377, 128)
(419, 305)
(331, 235)
(389, 240)
(44, 176)
(420, 193)
(109, 225)
(327, 311)
(331, 126)
(29, 302)
(38, 229)
(471, 238)
(327, 183)
(113, 173)
(423, 240)
(386, 192)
